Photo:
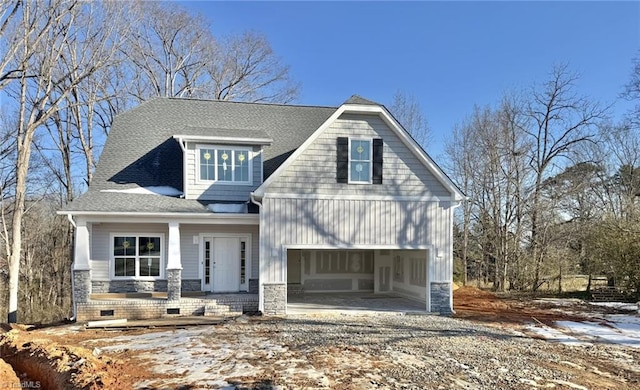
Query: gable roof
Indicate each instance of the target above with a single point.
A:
(142, 149)
(351, 106)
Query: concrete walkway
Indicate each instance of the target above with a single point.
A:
(352, 303)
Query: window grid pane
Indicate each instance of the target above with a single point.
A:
(360, 161)
(136, 256)
(207, 164)
(225, 165)
(149, 266)
(241, 169)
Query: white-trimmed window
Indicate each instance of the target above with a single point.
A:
(360, 160)
(137, 255)
(224, 164)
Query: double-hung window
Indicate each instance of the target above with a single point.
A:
(360, 164)
(224, 164)
(137, 255)
(359, 160)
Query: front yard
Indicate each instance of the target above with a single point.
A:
(498, 345)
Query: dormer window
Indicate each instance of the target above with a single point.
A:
(224, 164)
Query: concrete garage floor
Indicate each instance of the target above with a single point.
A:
(351, 303)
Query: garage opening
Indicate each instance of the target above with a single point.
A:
(357, 279)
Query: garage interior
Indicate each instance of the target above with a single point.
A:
(356, 280)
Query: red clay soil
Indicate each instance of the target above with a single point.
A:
(479, 305)
(54, 366)
(8, 377)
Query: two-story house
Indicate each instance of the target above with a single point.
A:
(198, 206)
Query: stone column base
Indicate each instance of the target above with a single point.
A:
(81, 285)
(275, 299)
(441, 298)
(174, 284)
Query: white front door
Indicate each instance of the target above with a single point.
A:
(221, 264)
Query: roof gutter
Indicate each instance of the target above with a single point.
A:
(224, 140)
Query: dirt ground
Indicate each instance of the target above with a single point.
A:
(55, 358)
(474, 304)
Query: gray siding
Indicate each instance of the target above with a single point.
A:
(189, 252)
(344, 223)
(314, 171)
(204, 191)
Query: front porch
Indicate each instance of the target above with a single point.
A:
(140, 306)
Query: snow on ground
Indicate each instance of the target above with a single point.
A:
(623, 329)
(200, 356)
(152, 190)
(617, 305)
(611, 331)
(556, 335)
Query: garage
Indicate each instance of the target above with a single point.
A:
(357, 279)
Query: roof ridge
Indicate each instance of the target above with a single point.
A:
(240, 102)
(357, 99)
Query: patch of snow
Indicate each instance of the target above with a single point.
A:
(620, 332)
(617, 305)
(152, 190)
(559, 301)
(555, 335)
(209, 358)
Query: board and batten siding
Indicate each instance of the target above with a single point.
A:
(314, 171)
(229, 192)
(344, 223)
(190, 256)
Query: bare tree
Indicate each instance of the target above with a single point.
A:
(167, 51)
(559, 121)
(245, 68)
(174, 54)
(488, 151)
(45, 31)
(408, 112)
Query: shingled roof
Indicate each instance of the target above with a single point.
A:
(140, 150)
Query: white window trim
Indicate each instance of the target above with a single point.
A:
(370, 140)
(199, 180)
(246, 237)
(112, 260)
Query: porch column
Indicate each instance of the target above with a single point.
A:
(174, 263)
(81, 266)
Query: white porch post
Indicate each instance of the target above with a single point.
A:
(81, 265)
(174, 263)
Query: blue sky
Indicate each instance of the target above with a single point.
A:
(449, 55)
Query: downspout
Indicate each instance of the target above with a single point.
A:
(257, 202)
(73, 301)
(455, 205)
(184, 166)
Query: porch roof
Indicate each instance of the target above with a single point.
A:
(118, 202)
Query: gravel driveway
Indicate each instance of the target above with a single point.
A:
(340, 351)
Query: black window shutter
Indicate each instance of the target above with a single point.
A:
(342, 160)
(377, 161)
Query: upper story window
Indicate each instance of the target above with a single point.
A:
(360, 160)
(224, 164)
